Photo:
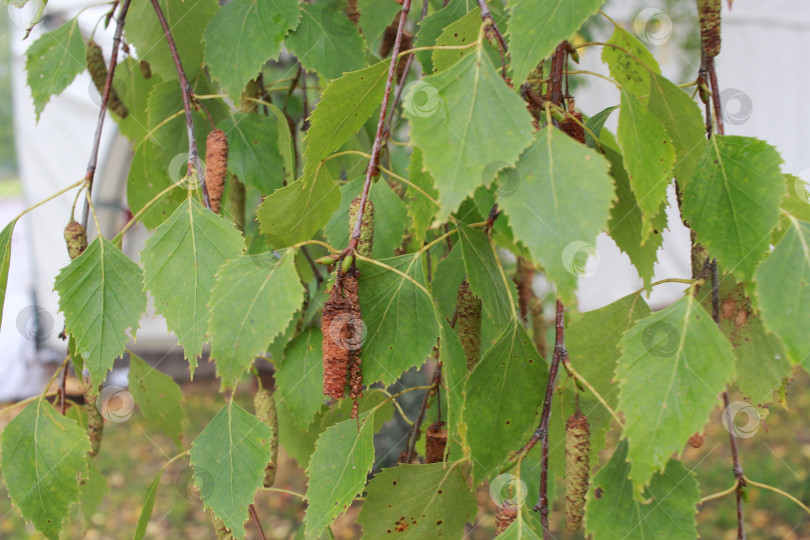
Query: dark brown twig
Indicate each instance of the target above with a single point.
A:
(378, 138)
(435, 383)
(718, 108)
(486, 15)
(194, 163)
(62, 389)
(302, 80)
(256, 521)
(555, 93)
(105, 99)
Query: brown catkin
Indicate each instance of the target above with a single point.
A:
(435, 442)
(709, 16)
(572, 127)
(264, 403)
(696, 440)
(577, 468)
(95, 422)
(367, 228)
(468, 323)
(216, 166)
(146, 69)
(76, 239)
(504, 517)
(98, 72)
(340, 320)
(405, 44)
(352, 12)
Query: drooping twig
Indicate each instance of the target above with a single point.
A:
(377, 147)
(255, 517)
(302, 80)
(105, 99)
(62, 389)
(194, 163)
(435, 383)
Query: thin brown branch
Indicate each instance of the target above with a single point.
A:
(558, 61)
(194, 163)
(378, 138)
(486, 15)
(105, 99)
(62, 389)
(302, 80)
(718, 108)
(255, 517)
(435, 383)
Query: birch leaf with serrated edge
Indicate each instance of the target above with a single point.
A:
(433, 499)
(229, 458)
(400, 318)
(243, 36)
(732, 201)
(42, 452)
(254, 299)
(343, 457)
(159, 398)
(673, 366)
(561, 202)
(421, 209)
(180, 261)
(299, 376)
(101, 295)
(629, 69)
(466, 105)
(5, 261)
(254, 150)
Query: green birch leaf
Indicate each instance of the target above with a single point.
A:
(296, 212)
(327, 42)
(148, 506)
(299, 377)
(101, 295)
(5, 261)
(134, 90)
(624, 68)
(420, 208)
(454, 371)
(243, 36)
(159, 398)
(92, 489)
(53, 61)
(670, 503)
(254, 150)
(683, 122)
(674, 365)
(344, 107)
(375, 16)
(484, 275)
(509, 378)
(344, 455)
(535, 29)
(560, 203)
(187, 20)
(228, 458)
(180, 261)
(465, 105)
(254, 299)
(626, 225)
(447, 278)
(459, 33)
(783, 290)
(432, 26)
(595, 124)
(732, 201)
(390, 218)
(418, 501)
(648, 158)
(148, 177)
(42, 454)
(400, 318)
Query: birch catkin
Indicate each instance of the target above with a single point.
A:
(75, 238)
(468, 323)
(216, 166)
(577, 468)
(98, 72)
(95, 422)
(341, 324)
(572, 126)
(264, 403)
(709, 16)
(435, 442)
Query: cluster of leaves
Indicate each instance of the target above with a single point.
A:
(466, 142)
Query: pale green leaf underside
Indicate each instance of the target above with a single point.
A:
(180, 261)
(42, 452)
(229, 457)
(254, 299)
(101, 295)
(243, 36)
(674, 365)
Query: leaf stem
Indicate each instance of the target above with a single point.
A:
(780, 492)
(118, 238)
(575, 374)
(720, 494)
(50, 198)
(287, 491)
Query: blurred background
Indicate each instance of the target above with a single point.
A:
(764, 69)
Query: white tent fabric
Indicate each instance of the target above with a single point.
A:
(763, 63)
